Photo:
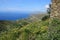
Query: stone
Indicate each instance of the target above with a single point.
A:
(55, 8)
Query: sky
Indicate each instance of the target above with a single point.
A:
(24, 5)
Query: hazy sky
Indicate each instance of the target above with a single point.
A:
(23, 5)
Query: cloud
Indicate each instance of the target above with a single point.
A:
(46, 6)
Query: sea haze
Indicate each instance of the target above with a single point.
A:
(13, 15)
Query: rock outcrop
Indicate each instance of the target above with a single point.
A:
(55, 9)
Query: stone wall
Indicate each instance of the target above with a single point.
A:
(55, 9)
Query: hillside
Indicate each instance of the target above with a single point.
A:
(35, 17)
(29, 32)
(26, 30)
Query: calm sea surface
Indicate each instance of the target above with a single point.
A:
(12, 15)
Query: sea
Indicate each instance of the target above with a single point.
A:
(13, 15)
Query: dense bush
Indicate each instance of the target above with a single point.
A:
(45, 17)
(28, 32)
(39, 30)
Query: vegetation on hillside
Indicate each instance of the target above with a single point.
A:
(31, 31)
(38, 30)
